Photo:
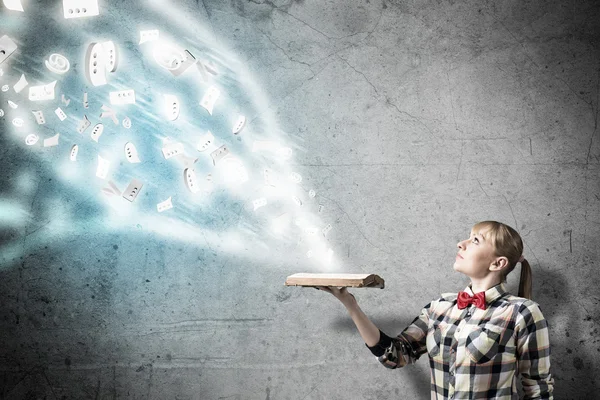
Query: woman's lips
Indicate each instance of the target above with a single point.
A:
(458, 257)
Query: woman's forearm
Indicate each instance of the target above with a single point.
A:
(366, 328)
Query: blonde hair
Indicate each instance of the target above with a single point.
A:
(507, 243)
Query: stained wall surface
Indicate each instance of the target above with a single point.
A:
(410, 120)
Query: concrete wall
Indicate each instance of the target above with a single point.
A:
(410, 120)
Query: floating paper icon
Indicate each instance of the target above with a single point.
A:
(14, 5)
(312, 193)
(297, 200)
(219, 154)
(148, 36)
(51, 141)
(171, 107)
(96, 132)
(95, 64)
(5, 88)
(12, 104)
(132, 190)
(74, 151)
(80, 8)
(57, 63)
(7, 47)
(258, 203)
(39, 117)
(112, 188)
(85, 100)
(64, 100)
(83, 125)
(108, 112)
(18, 122)
(285, 153)
(111, 59)
(31, 139)
(20, 85)
(60, 114)
(164, 205)
(1, 113)
(131, 153)
(102, 169)
(43, 92)
(172, 149)
(190, 180)
(205, 141)
(239, 124)
(295, 177)
(209, 99)
(122, 97)
(326, 230)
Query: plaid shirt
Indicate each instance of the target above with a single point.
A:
(475, 353)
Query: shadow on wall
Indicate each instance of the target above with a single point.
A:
(572, 369)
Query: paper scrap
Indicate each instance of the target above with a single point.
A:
(164, 205)
(51, 141)
(102, 169)
(109, 113)
(12, 104)
(65, 101)
(297, 200)
(20, 85)
(1, 113)
(18, 122)
(14, 5)
(126, 123)
(5, 88)
(312, 193)
(43, 92)
(85, 100)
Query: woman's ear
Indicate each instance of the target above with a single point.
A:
(500, 263)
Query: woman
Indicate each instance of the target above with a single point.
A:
(480, 340)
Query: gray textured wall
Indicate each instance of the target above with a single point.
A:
(411, 120)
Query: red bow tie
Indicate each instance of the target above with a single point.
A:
(464, 299)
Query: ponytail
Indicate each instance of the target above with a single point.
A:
(525, 281)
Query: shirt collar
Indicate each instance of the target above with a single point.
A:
(491, 294)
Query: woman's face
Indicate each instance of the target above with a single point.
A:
(475, 255)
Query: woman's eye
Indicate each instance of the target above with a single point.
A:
(475, 240)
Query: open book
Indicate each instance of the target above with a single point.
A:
(338, 280)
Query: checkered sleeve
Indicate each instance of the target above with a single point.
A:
(407, 347)
(533, 351)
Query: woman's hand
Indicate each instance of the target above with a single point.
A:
(342, 294)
